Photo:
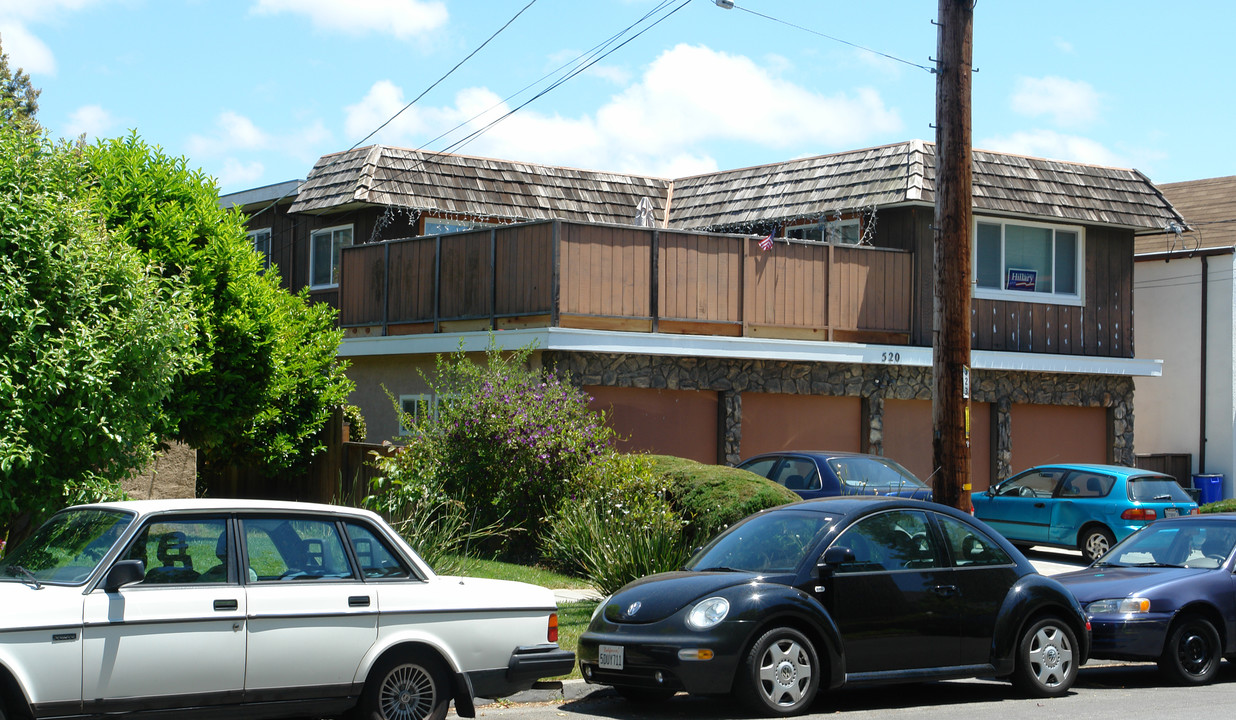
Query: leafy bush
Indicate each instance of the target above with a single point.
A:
(712, 497)
(508, 440)
(617, 525)
(353, 417)
(1228, 505)
(410, 495)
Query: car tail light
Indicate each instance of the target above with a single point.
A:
(552, 634)
(1195, 511)
(1137, 513)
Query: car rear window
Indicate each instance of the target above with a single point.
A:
(1154, 489)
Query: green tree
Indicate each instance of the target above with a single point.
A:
(268, 378)
(19, 100)
(93, 339)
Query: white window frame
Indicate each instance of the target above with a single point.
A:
(256, 237)
(411, 405)
(1053, 298)
(329, 234)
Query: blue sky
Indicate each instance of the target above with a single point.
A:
(253, 91)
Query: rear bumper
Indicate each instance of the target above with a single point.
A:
(527, 665)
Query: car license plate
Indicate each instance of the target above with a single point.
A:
(610, 657)
(1171, 512)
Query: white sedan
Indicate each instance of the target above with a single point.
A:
(266, 608)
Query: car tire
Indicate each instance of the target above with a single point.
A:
(1046, 658)
(1095, 541)
(1192, 653)
(643, 695)
(406, 686)
(780, 675)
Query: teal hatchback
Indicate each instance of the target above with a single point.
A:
(1087, 507)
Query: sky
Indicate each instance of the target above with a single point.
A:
(252, 92)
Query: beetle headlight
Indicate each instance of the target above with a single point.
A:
(1119, 606)
(708, 613)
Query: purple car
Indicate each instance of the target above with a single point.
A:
(1165, 594)
(815, 474)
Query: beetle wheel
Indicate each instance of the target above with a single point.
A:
(411, 686)
(1046, 665)
(1192, 653)
(780, 675)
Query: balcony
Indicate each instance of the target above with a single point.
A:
(629, 279)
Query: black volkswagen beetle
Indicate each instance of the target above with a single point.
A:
(832, 593)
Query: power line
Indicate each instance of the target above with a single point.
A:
(414, 100)
(836, 39)
(583, 62)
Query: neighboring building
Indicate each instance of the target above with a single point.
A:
(1185, 301)
(656, 296)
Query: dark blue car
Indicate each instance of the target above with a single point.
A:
(1165, 594)
(817, 473)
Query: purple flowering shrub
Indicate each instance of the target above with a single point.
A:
(507, 441)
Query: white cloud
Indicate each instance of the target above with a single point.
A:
(400, 18)
(1064, 46)
(89, 120)
(688, 98)
(1056, 146)
(234, 132)
(1068, 103)
(26, 51)
(236, 173)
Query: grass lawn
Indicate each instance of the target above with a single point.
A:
(572, 617)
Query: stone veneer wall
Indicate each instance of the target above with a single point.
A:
(873, 383)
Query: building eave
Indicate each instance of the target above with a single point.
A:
(600, 341)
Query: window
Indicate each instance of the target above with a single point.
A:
(414, 408)
(183, 550)
(444, 227)
(895, 540)
(797, 474)
(377, 560)
(324, 248)
(295, 549)
(970, 547)
(261, 245)
(839, 232)
(1028, 262)
(1033, 484)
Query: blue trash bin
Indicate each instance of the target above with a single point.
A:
(1209, 488)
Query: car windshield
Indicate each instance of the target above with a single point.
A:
(1196, 545)
(1154, 489)
(873, 473)
(67, 548)
(770, 543)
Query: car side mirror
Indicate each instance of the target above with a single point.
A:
(835, 556)
(124, 572)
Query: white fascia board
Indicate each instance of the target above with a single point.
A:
(601, 341)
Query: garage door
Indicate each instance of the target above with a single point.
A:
(1055, 434)
(908, 432)
(663, 422)
(774, 421)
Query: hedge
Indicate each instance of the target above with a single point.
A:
(713, 497)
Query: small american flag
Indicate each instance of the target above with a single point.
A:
(767, 243)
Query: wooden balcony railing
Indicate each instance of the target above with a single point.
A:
(610, 277)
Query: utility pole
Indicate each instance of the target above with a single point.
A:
(950, 407)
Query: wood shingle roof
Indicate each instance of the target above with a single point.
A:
(902, 173)
(1209, 206)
